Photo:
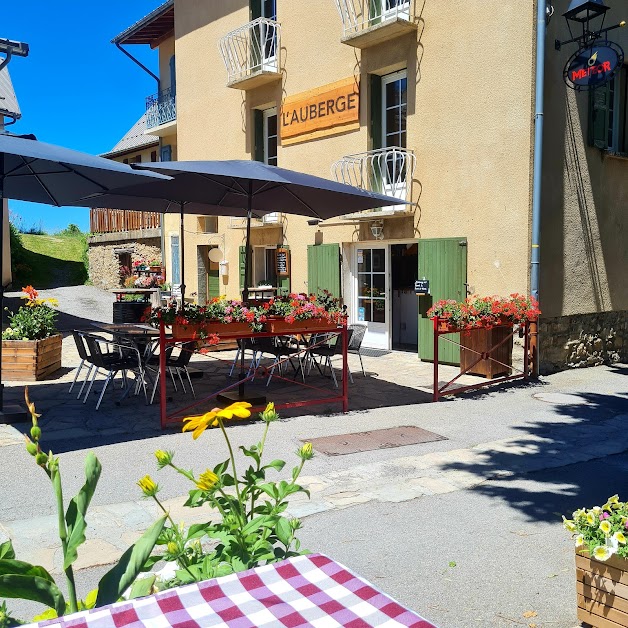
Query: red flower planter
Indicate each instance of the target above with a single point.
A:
(194, 330)
(279, 325)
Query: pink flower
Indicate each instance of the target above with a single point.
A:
(604, 515)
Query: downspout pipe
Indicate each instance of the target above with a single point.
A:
(141, 65)
(535, 253)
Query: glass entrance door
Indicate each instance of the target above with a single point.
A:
(372, 301)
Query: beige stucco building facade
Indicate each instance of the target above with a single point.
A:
(445, 120)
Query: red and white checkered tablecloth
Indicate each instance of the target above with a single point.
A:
(303, 591)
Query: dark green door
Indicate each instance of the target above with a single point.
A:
(444, 262)
(323, 268)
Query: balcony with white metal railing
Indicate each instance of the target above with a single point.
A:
(251, 54)
(366, 23)
(161, 111)
(384, 170)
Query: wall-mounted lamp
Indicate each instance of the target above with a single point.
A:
(217, 253)
(585, 13)
(377, 229)
(314, 221)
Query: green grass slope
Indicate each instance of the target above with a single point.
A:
(50, 261)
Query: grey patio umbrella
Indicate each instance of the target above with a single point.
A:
(44, 173)
(254, 188)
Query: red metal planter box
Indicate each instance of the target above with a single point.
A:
(279, 325)
(194, 330)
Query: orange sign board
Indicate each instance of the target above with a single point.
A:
(327, 110)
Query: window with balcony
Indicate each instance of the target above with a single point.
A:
(251, 53)
(370, 22)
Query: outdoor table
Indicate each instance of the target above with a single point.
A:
(303, 591)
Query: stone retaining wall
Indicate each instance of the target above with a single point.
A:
(583, 340)
(104, 262)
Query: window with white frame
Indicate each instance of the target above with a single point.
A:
(394, 132)
(264, 267)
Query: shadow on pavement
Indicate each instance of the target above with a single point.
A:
(555, 467)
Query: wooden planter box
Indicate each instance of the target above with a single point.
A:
(129, 311)
(30, 360)
(602, 590)
(482, 340)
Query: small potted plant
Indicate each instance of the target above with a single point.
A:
(31, 344)
(600, 538)
(155, 265)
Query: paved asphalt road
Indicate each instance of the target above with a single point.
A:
(485, 547)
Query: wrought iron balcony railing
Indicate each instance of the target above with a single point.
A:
(160, 108)
(251, 50)
(359, 15)
(385, 170)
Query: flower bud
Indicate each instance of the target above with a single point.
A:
(164, 458)
(305, 452)
(269, 415)
(295, 524)
(41, 459)
(148, 486)
(31, 448)
(173, 548)
(207, 481)
(35, 433)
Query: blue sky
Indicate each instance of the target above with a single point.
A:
(75, 88)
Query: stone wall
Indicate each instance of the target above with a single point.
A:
(104, 259)
(583, 340)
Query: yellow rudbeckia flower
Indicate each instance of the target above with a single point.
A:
(207, 480)
(148, 486)
(198, 424)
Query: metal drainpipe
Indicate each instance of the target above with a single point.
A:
(535, 253)
(137, 62)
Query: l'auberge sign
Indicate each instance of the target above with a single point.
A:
(324, 111)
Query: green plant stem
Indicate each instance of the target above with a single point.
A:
(177, 532)
(261, 453)
(233, 466)
(55, 476)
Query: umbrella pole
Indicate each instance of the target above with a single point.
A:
(182, 237)
(9, 413)
(247, 250)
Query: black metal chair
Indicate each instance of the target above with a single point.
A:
(116, 359)
(355, 342)
(82, 351)
(178, 365)
(325, 352)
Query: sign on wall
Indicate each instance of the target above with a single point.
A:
(593, 66)
(282, 262)
(327, 110)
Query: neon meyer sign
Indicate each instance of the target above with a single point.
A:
(320, 112)
(593, 66)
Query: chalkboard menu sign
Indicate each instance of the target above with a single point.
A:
(282, 262)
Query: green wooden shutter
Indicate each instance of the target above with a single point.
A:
(323, 268)
(256, 9)
(258, 135)
(599, 106)
(242, 266)
(375, 83)
(444, 263)
(213, 280)
(283, 283)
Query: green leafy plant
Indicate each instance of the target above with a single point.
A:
(601, 530)
(22, 580)
(35, 320)
(249, 527)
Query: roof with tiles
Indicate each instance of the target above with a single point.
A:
(133, 139)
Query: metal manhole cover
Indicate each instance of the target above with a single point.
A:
(376, 439)
(561, 399)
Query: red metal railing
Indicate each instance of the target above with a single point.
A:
(103, 220)
(177, 417)
(527, 331)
